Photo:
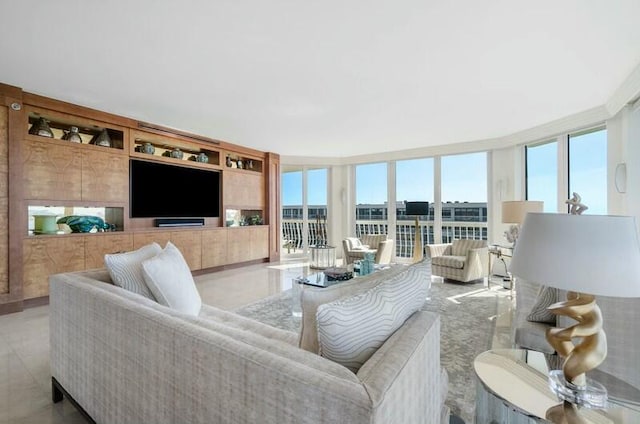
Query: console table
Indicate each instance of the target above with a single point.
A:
(512, 388)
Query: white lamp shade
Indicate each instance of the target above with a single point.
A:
(594, 254)
(513, 212)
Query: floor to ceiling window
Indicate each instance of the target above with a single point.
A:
(304, 209)
(371, 199)
(317, 206)
(292, 212)
(588, 168)
(464, 196)
(414, 182)
(571, 163)
(542, 174)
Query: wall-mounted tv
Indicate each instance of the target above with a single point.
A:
(161, 190)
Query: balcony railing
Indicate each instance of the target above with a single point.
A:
(405, 232)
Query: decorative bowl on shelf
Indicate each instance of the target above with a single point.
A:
(177, 153)
(85, 223)
(146, 148)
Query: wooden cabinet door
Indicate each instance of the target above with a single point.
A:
(49, 255)
(259, 242)
(190, 245)
(51, 171)
(238, 245)
(96, 246)
(243, 190)
(105, 176)
(142, 239)
(214, 248)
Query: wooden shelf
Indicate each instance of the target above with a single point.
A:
(87, 128)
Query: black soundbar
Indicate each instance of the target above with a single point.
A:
(179, 222)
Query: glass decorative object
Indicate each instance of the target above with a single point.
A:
(203, 158)
(177, 153)
(72, 135)
(41, 128)
(101, 139)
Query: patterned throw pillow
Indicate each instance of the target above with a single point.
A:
(125, 269)
(539, 313)
(351, 329)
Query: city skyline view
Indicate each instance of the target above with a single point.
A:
(464, 177)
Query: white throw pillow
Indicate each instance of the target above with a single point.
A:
(169, 279)
(351, 329)
(125, 269)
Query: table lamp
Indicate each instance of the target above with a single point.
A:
(513, 212)
(586, 255)
(417, 209)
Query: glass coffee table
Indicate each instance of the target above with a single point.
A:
(512, 388)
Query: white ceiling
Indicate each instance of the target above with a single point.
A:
(325, 78)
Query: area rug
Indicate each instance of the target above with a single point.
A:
(467, 311)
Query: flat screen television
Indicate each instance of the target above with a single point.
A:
(161, 190)
(417, 208)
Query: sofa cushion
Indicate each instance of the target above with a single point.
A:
(125, 269)
(456, 262)
(539, 312)
(169, 279)
(312, 297)
(351, 329)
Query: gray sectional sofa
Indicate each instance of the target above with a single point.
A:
(125, 358)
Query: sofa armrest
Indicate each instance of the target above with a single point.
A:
(434, 250)
(403, 377)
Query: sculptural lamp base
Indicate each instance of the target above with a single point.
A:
(593, 395)
(417, 243)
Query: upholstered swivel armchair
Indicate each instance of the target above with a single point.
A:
(378, 244)
(463, 260)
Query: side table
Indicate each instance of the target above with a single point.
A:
(512, 388)
(322, 257)
(500, 252)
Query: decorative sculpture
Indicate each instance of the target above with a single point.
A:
(577, 207)
(84, 224)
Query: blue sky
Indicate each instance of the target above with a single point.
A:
(464, 177)
(587, 172)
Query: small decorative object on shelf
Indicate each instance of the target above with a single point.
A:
(177, 153)
(255, 220)
(249, 164)
(85, 223)
(240, 164)
(72, 135)
(366, 265)
(229, 162)
(101, 139)
(203, 158)
(41, 128)
(146, 148)
(44, 224)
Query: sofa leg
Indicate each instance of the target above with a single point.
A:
(56, 393)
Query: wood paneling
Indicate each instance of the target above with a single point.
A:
(259, 242)
(51, 171)
(237, 245)
(243, 189)
(4, 199)
(44, 256)
(190, 245)
(214, 248)
(142, 239)
(96, 246)
(105, 176)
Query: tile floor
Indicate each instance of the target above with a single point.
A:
(25, 379)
